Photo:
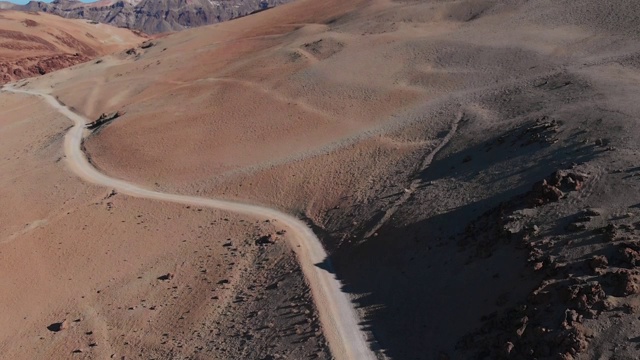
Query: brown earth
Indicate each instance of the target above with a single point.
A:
(472, 164)
(90, 273)
(34, 44)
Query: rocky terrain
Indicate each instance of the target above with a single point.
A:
(32, 44)
(151, 16)
(472, 166)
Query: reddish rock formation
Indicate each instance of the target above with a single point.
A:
(552, 189)
(37, 44)
(598, 262)
(38, 65)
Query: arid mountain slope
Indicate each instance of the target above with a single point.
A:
(91, 273)
(35, 44)
(472, 164)
(152, 16)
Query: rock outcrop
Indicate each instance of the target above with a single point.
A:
(152, 16)
(33, 44)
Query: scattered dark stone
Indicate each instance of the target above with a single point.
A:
(610, 232)
(583, 219)
(166, 277)
(30, 23)
(59, 326)
(584, 296)
(552, 189)
(543, 193)
(624, 283)
(542, 132)
(508, 348)
(570, 317)
(591, 212)
(630, 256)
(577, 226)
(103, 119)
(598, 262)
(534, 229)
(265, 240)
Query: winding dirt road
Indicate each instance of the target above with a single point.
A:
(338, 317)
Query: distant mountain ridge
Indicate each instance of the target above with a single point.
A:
(149, 16)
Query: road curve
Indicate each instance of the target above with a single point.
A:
(338, 317)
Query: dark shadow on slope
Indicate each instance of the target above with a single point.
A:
(421, 290)
(421, 287)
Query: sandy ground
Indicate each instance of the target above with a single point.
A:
(415, 136)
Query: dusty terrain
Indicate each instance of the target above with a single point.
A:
(34, 44)
(471, 165)
(91, 273)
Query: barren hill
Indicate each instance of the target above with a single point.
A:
(151, 16)
(472, 167)
(35, 44)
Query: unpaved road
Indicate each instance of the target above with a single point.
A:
(337, 315)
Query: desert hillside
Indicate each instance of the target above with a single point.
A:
(34, 44)
(471, 167)
(91, 273)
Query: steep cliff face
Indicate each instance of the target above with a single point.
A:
(151, 16)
